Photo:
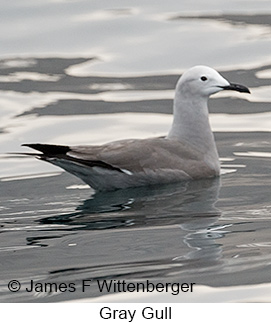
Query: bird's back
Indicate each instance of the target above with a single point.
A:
(130, 163)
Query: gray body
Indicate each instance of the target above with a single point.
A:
(188, 152)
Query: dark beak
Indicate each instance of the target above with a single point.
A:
(236, 87)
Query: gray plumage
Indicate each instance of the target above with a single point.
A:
(188, 152)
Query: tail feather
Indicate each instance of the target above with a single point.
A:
(60, 152)
(49, 150)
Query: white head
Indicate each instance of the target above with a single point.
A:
(204, 81)
(191, 122)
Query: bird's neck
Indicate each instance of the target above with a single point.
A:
(191, 123)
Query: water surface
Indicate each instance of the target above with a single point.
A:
(92, 73)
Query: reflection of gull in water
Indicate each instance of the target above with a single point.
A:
(160, 231)
(187, 207)
(187, 152)
(188, 203)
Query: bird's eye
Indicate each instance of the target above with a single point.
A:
(203, 78)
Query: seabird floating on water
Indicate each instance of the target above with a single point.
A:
(188, 152)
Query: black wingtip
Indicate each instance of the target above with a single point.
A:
(49, 150)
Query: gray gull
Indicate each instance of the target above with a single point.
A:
(188, 152)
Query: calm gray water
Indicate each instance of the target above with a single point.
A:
(85, 72)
